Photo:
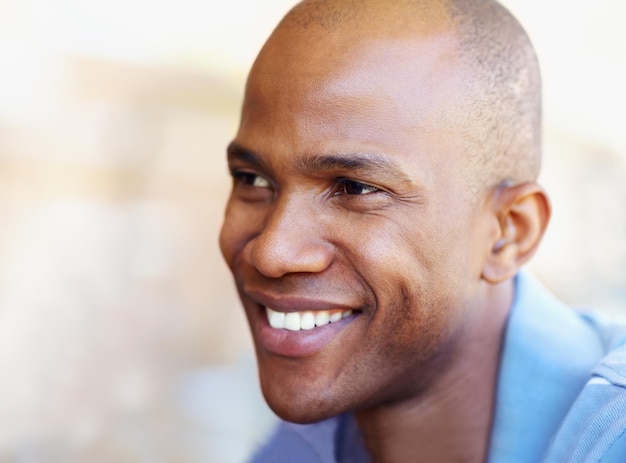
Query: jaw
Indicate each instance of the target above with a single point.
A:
(303, 390)
(311, 375)
(338, 380)
(300, 370)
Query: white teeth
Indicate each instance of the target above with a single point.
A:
(292, 321)
(296, 321)
(307, 321)
(276, 319)
(322, 318)
(335, 317)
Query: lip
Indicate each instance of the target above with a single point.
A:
(285, 303)
(303, 343)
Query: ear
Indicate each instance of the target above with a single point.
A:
(521, 213)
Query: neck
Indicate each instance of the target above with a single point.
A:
(451, 420)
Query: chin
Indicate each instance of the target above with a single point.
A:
(302, 407)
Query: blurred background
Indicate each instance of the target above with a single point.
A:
(121, 338)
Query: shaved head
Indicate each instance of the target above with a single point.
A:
(498, 107)
(505, 92)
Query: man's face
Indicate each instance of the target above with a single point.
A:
(349, 210)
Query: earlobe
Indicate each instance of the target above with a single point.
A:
(521, 213)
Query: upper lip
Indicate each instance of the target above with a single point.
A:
(294, 303)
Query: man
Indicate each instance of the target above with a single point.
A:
(384, 200)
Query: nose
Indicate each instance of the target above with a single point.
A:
(291, 241)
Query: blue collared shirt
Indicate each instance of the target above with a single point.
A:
(561, 394)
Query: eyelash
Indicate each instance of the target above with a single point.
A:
(249, 178)
(343, 185)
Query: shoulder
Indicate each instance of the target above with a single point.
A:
(594, 430)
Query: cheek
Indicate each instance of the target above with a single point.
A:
(387, 251)
(416, 275)
(237, 230)
(407, 340)
(226, 244)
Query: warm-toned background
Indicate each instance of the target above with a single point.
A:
(121, 339)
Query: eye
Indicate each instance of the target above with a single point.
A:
(352, 187)
(251, 179)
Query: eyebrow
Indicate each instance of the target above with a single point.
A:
(373, 164)
(236, 151)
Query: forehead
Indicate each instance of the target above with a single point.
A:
(315, 93)
(339, 65)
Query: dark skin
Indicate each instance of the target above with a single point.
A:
(351, 194)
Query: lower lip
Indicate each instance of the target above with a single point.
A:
(303, 343)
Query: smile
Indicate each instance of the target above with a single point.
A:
(306, 320)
